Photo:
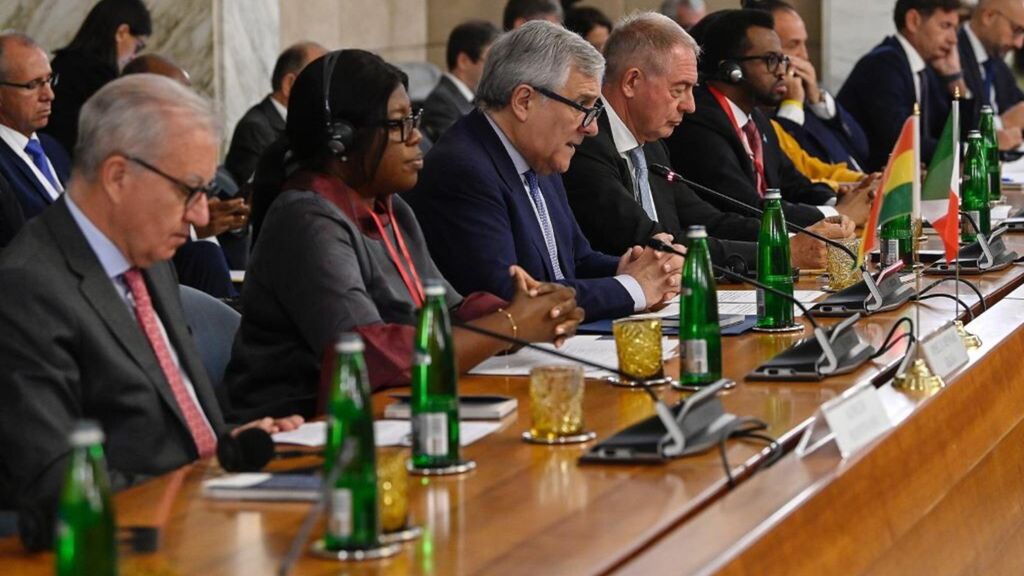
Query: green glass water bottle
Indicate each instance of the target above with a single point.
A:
(85, 541)
(699, 331)
(435, 393)
(773, 266)
(896, 242)
(974, 189)
(987, 127)
(352, 521)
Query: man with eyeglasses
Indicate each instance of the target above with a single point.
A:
(33, 164)
(996, 27)
(490, 194)
(728, 144)
(919, 64)
(92, 317)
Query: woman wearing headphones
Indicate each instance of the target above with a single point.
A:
(340, 252)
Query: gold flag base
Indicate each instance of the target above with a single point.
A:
(918, 378)
(971, 341)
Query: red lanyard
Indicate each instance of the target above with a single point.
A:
(727, 107)
(411, 278)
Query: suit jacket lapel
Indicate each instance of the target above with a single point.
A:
(507, 171)
(273, 116)
(26, 172)
(455, 96)
(716, 119)
(99, 291)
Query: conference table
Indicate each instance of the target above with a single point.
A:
(940, 492)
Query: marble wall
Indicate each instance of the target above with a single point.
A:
(227, 46)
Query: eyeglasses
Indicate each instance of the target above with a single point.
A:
(772, 61)
(1015, 28)
(405, 125)
(192, 193)
(36, 84)
(589, 114)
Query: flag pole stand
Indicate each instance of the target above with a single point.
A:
(971, 341)
(917, 377)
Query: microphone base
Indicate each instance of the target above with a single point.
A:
(981, 256)
(801, 362)
(850, 301)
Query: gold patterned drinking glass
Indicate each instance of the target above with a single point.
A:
(392, 489)
(556, 402)
(638, 344)
(842, 273)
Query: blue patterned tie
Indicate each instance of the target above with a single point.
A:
(545, 223)
(35, 151)
(641, 184)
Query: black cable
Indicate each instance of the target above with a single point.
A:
(977, 292)
(970, 313)
(734, 430)
(892, 344)
(886, 344)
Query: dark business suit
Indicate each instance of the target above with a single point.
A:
(81, 76)
(879, 93)
(257, 129)
(839, 139)
(11, 216)
(30, 192)
(477, 218)
(72, 349)
(599, 185)
(442, 108)
(1007, 92)
(706, 149)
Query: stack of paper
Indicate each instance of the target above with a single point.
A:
(598, 349)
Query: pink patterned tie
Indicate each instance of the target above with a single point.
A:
(205, 441)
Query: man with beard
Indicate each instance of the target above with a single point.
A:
(728, 144)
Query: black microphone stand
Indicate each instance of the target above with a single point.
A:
(842, 349)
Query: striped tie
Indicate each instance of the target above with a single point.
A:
(545, 223)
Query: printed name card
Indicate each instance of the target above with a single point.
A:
(852, 420)
(945, 352)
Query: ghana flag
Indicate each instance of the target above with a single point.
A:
(940, 195)
(895, 192)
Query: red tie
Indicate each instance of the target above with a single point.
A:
(757, 154)
(205, 441)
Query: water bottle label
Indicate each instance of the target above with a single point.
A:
(695, 356)
(339, 520)
(433, 428)
(890, 251)
(421, 358)
(760, 303)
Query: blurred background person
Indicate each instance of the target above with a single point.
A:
(686, 13)
(590, 23)
(519, 12)
(465, 55)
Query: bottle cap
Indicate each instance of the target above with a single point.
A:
(349, 343)
(434, 287)
(86, 433)
(696, 232)
(772, 194)
(973, 134)
(986, 109)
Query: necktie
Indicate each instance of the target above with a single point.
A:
(35, 151)
(206, 443)
(756, 154)
(641, 183)
(923, 97)
(545, 223)
(986, 86)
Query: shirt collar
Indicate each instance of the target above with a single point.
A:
(621, 136)
(281, 108)
(15, 139)
(738, 113)
(917, 63)
(113, 261)
(980, 54)
(463, 89)
(517, 159)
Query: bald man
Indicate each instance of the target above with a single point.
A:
(995, 28)
(157, 64)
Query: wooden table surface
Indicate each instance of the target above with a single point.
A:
(526, 508)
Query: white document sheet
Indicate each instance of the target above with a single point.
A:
(386, 433)
(599, 349)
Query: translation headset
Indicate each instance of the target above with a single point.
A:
(338, 132)
(730, 71)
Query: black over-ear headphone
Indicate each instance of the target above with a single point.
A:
(730, 71)
(338, 132)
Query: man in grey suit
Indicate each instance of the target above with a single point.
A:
(93, 324)
(264, 122)
(452, 98)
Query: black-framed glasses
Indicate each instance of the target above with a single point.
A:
(406, 125)
(34, 85)
(192, 193)
(589, 114)
(772, 61)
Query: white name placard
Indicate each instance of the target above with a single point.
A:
(852, 420)
(945, 351)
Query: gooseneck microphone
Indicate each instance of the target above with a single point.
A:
(671, 176)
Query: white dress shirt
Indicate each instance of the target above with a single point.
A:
(917, 64)
(628, 282)
(461, 86)
(281, 108)
(624, 141)
(17, 141)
